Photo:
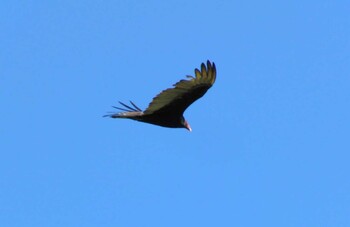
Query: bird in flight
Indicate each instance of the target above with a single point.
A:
(167, 108)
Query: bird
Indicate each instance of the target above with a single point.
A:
(167, 108)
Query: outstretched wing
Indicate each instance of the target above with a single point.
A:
(128, 112)
(176, 100)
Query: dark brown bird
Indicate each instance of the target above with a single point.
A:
(167, 108)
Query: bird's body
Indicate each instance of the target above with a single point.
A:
(167, 108)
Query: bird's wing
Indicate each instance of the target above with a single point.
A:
(185, 92)
(128, 112)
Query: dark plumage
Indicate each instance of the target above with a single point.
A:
(167, 108)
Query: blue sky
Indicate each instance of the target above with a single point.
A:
(270, 141)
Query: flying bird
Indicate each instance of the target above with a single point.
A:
(167, 108)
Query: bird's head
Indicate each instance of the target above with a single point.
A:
(185, 124)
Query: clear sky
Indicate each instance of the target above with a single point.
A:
(270, 144)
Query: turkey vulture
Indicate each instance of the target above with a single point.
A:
(167, 108)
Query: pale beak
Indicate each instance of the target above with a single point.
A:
(188, 126)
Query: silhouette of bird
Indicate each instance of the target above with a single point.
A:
(167, 108)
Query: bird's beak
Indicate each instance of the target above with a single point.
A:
(187, 126)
